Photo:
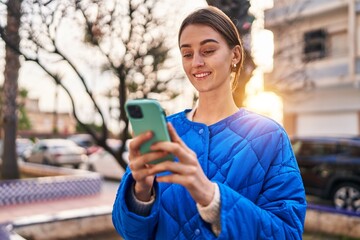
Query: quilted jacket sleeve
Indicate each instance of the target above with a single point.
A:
(279, 209)
(128, 224)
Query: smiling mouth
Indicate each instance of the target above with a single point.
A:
(202, 75)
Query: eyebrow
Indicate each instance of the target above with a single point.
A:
(201, 43)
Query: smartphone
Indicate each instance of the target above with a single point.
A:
(148, 115)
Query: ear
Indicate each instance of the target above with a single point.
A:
(237, 55)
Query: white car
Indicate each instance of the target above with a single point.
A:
(23, 147)
(57, 152)
(104, 163)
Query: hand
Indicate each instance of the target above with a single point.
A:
(140, 169)
(187, 172)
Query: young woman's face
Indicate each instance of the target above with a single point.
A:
(206, 58)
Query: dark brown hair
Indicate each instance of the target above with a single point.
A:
(220, 22)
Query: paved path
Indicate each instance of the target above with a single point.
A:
(105, 199)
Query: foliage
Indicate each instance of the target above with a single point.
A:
(81, 129)
(123, 40)
(23, 119)
(238, 11)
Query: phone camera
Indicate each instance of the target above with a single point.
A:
(135, 111)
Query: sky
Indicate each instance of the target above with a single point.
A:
(40, 86)
(34, 79)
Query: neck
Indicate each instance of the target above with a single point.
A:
(213, 109)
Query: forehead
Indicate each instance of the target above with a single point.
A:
(195, 33)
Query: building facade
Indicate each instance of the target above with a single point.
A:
(43, 123)
(316, 66)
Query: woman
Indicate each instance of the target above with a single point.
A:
(236, 176)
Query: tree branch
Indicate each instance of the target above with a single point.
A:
(52, 75)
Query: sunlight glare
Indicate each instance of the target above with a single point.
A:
(258, 100)
(267, 104)
(263, 49)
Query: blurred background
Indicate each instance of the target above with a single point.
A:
(69, 67)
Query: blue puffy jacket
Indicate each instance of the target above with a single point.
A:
(251, 159)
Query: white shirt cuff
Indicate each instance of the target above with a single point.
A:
(211, 212)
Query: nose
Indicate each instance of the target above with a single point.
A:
(198, 61)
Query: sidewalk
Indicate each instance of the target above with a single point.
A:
(68, 218)
(83, 214)
(50, 208)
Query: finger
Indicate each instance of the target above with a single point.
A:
(175, 178)
(174, 167)
(136, 142)
(175, 138)
(183, 153)
(149, 158)
(140, 175)
(173, 134)
(142, 161)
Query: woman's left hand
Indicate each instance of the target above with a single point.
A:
(186, 172)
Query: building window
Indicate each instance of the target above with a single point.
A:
(314, 45)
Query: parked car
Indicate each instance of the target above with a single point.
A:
(104, 163)
(57, 152)
(330, 168)
(23, 147)
(86, 141)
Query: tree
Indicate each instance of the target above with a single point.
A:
(238, 12)
(23, 119)
(1, 113)
(24, 122)
(126, 39)
(10, 168)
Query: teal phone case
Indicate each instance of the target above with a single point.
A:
(153, 119)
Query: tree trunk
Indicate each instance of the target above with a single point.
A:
(10, 168)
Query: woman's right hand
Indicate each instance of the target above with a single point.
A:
(140, 169)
